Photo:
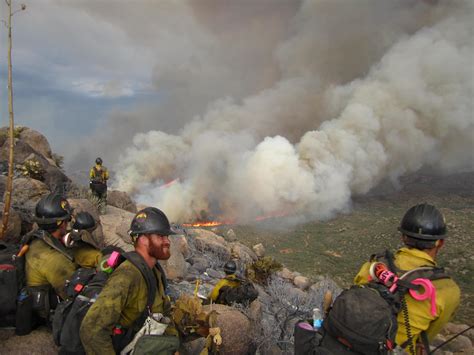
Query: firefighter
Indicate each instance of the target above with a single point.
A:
(113, 319)
(423, 232)
(98, 184)
(48, 262)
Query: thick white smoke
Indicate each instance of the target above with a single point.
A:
(308, 143)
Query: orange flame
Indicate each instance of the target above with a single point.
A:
(203, 224)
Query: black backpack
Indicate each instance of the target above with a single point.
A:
(363, 319)
(12, 280)
(82, 290)
(245, 293)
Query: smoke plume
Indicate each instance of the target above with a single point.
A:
(357, 92)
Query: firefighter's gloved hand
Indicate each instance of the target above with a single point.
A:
(216, 335)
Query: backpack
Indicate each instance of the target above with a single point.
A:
(82, 291)
(12, 280)
(363, 318)
(245, 293)
(16, 301)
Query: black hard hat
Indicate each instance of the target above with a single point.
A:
(98, 161)
(52, 208)
(84, 221)
(149, 221)
(423, 222)
(230, 267)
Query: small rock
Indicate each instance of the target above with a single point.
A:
(285, 274)
(461, 343)
(259, 249)
(231, 236)
(215, 274)
(301, 282)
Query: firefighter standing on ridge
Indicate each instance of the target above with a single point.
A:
(98, 184)
(423, 232)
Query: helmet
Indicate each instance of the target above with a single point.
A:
(52, 208)
(98, 161)
(84, 220)
(423, 222)
(230, 267)
(148, 221)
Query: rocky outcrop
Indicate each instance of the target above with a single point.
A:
(115, 225)
(121, 200)
(37, 141)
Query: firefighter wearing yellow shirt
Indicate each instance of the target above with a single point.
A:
(423, 232)
(48, 262)
(230, 280)
(98, 184)
(123, 299)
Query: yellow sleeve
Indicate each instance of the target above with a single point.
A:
(447, 302)
(59, 269)
(106, 174)
(87, 256)
(362, 276)
(215, 291)
(92, 173)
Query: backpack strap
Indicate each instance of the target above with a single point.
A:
(49, 240)
(150, 280)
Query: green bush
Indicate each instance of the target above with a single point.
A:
(261, 270)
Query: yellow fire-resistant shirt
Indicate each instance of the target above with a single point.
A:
(447, 297)
(121, 302)
(45, 265)
(230, 280)
(99, 173)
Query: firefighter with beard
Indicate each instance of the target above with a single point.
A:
(120, 305)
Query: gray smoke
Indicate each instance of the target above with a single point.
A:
(365, 91)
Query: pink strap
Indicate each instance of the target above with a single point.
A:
(113, 259)
(429, 291)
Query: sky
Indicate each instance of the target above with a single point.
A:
(249, 107)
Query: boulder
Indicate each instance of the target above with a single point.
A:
(182, 245)
(115, 225)
(285, 274)
(27, 192)
(200, 264)
(13, 232)
(121, 200)
(259, 250)
(235, 330)
(36, 141)
(301, 282)
(243, 253)
(209, 242)
(175, 267)
(230, 236)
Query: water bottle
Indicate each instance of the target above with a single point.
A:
(317, 319)
(24, 313)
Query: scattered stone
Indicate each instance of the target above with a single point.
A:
(259, 250)
(285, 274)
(301, 282)
(231, 236)
(459, 344)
